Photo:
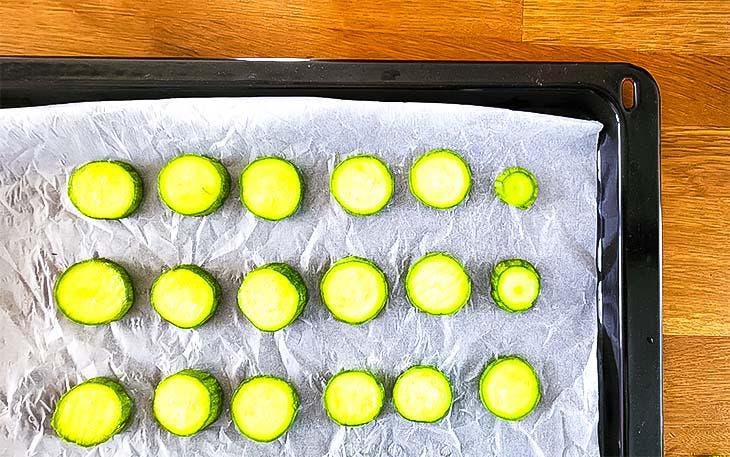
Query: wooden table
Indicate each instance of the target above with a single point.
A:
(685, 44)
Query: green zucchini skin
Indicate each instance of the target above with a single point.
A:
(392, 185)
(222, 196)
(125, 400)
(414, 367)
(499, 186)
(296, 280)
(380, 386)
(214, 389)
(136, 179)
(302, 189)
(412, 298)
(353, 258)
(207, 277)
(129, 289)
(295, 399)
(500, 268)
(491, 365)
(425, 156)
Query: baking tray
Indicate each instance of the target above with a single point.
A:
(628, 231)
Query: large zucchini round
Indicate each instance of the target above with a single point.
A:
(264, 407)
(94, 291)
(271, 188)
(92, 412)
(187, 402)
(272, 296)
(440, 179)
(186, 296)
(105, 189)
(437, 284)
(354, 290)
(362, 185)
(509, 388)
(353, 397)
(193, 185)
(422, 394)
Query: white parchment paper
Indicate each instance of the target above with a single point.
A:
(42, 354)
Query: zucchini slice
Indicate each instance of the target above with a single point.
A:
(264, 407)
(185, 296)
(515, 285)
(193, 185)
(94, 291)
(362, 185)
(105, 189)
(437, 284)
(187, 402)
(353, 397)
(422, 394)
(509, 388)
(354, 290)
(516, 187)
(271, 188)
(440, 179)
(272, 296)
(92, 412)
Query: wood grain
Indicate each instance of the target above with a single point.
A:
(685, 44)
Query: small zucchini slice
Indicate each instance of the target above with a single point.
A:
(353, 397)
(264, 407)
(107, 189)
(94, 291)
(272, 296)
(185, 296)
(437, 284)
(187, 402)
(515, 285)
(422, 394)
(517, 187)
(509, 388)
(193, 185)
(354, 290)
(440, 179)
(362, 185)
(92, 412)
(271, 188)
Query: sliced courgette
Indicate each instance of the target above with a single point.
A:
(92, 412)
(272, 296)
(94, 291)
(440, 179)
(509, 388)
(187, 402)
(271, 188)
(264, 407)
(105, 189)
(516, 187)
(354, 290)
(185, 296)
(362, 185)
(422, 394)
(438, 284)
(515, 285)
(193, 185)
(353, 397)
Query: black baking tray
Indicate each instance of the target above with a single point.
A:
(628, 231)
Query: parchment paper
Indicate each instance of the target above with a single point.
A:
(42, 354)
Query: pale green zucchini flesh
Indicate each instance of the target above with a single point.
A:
(272, 296)
(517, 187)
(193, 185)
(264, 407)
(440, 179)
(515, 285)
(362, 185)
(353, 397)
(186, 296)
(187, 402)
(422, 394)
(354, 290)
(437, 284)
(509, 388)
(271, 188)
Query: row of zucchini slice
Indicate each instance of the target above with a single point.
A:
(264, 407)
(272, 187)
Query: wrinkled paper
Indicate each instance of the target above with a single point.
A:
(42, 353)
